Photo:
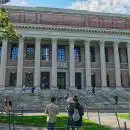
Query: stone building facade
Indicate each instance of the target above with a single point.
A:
(66, 49)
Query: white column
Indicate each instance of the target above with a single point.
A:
(3, 63)
(37, 62)
(103, 64)
(87, 64)
(72, 65)
(128, 56)
(54, 64)
(20, 63)
(117, 65)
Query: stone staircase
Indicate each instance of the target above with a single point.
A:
(38, 101)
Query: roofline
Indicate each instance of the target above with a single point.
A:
(64, 11)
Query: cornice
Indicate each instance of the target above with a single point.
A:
(72, 29)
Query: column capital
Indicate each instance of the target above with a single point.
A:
(21, 39)
(54, 40)
(102, 42)
(116, 43)
(37, 39)
(87, 42)
(4, 40)
(128, 44)
(71, 41)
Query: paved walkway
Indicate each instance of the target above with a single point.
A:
(109, 120)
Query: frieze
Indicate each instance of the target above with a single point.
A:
(60, 19)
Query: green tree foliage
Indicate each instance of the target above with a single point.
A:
(7, 29)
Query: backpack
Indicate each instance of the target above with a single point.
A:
(76, 115)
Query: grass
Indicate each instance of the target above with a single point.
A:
(40, 121)
(124, 116)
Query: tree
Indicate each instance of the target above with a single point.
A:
(4, 1)
(7, 29)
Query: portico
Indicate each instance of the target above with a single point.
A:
(66, 56)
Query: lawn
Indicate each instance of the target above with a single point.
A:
(40, 121)
(124, 116)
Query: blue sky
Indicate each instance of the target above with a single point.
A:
(51, 3)
(107, 6)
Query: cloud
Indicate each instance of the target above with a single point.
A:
(107, 6)
(18, 2)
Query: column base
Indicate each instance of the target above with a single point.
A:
(72, 88)
(105, 88)
(119, 88)
(54, 88)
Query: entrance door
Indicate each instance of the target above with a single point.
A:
(29, 79)
(45, 80)
(78, 80)
(93, 80)
(61, 80)
(12, 79)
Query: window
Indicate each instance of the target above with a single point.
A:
(45, 53)
(14, 52)
(106, 54)
(12, 81)
(61, 53)
(30, 52)
(92, 51)
(77, 54)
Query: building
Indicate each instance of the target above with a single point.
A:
(66, 49)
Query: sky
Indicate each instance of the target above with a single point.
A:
(107, 6)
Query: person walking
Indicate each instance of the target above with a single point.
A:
(51, 111)
(75, 113)
(116, 99)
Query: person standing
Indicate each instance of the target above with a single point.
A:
(51, 111)
(78, 114)
(24, 88)
(70, 110)
(75, 113)
(116, 99)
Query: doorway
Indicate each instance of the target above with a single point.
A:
(61, 80)
(78, 80)
(45, 80)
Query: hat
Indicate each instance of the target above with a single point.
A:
(70, 100)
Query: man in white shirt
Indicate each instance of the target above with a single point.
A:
(51, 111)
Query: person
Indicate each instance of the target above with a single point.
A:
(116, 99)
(24, 88)
(78, 123)
(6, 101)
(75, 113)
(33, 88)
(66, 96)
(51, 111)
(70, 111)
(10, 106)
(93, 90)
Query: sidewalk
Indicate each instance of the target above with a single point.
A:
(109, 120)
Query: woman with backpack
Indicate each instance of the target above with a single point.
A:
(75, 113)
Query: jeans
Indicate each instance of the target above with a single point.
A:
(51, 126)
